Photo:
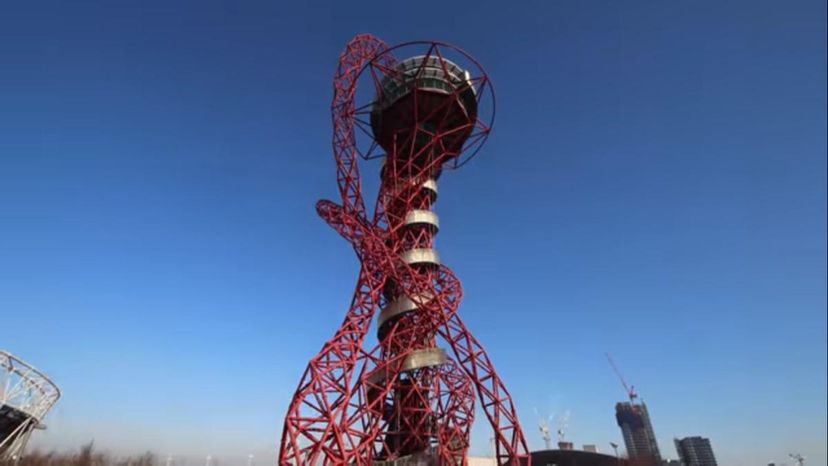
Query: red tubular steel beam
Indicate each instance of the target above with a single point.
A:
(407, 397)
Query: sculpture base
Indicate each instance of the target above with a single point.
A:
(417, 459)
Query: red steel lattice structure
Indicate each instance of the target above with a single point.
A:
(406, 398)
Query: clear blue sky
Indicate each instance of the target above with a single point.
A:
(655, 187)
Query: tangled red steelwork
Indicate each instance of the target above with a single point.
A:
(406, 397)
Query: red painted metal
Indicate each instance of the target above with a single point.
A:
(358, 406)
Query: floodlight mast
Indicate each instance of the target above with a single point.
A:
(406, 398)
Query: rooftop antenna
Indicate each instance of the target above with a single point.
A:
(800, 460)
(543, 426)
(628, 388)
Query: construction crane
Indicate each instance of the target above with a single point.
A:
(800, 460)
(628, 388)
(562, 426)
(543, 426)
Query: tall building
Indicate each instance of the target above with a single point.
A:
(639, 437)
(695, 451)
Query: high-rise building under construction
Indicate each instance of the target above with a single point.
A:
(639, 437)
(695, 451)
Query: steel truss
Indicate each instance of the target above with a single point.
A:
(26, 395)
(406, 397)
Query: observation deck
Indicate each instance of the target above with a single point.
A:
(424, 101)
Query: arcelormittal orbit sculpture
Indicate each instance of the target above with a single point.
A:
(409, 399)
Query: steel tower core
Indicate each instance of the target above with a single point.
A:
(409, 399)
